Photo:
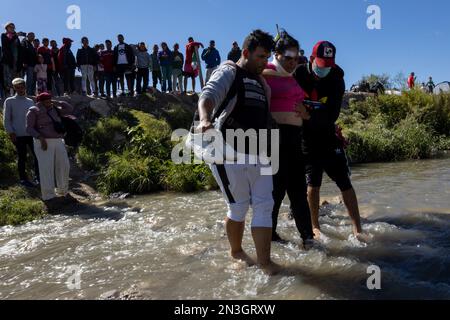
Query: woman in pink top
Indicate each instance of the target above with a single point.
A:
(286, 96)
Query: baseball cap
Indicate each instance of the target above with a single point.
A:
(324, 53)
(67, 40)
(44, 96)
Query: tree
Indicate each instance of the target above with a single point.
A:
(399, 81)
(372, 79)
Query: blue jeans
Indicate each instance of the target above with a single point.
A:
(166, 72)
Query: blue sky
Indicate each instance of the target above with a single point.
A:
(414, 35)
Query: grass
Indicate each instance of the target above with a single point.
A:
(415, 125)
(18, 207)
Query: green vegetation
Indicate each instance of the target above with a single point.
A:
(7, 154)
(17, 207)
(414, 125)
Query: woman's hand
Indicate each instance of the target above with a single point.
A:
(44, 145)
(301, 111)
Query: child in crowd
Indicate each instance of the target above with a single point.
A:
(41, 75)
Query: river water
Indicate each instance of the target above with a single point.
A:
(170, 246)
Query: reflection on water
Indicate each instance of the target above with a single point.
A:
(174, 246)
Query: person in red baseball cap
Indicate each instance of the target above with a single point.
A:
(44, 124)
(323, 82)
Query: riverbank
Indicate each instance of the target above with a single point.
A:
(127, 145)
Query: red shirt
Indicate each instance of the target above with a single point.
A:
(411, 82)
(107, 60)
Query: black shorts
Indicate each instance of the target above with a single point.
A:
(334, 163)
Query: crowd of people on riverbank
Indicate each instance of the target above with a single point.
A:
(299, 97)
(104, 69)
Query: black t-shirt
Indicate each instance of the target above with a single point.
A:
(320, 131)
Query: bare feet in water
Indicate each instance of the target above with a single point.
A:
(361, 235)
(317, 233)
(243, 256)
(270, 269)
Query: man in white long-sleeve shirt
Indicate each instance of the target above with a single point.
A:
(15, 110)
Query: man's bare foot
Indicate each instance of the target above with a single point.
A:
(317, 233)
(270, 269)
(363, 237)
(243, 256)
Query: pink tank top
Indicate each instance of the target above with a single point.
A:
(286, 92)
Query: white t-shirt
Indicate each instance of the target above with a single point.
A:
(41, 71)
(122, 55)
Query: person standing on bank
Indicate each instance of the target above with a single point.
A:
(45, 126)
(211, 56)
(323, 81)
(286, 95)
(14, 119)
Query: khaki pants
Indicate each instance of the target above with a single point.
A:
(53, 165)
(209, 73)
(87, 72)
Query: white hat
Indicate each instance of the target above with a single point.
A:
(8, 24)
(18, 81)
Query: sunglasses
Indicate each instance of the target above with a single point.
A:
(288, 58)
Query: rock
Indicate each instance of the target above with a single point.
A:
(120, 195)
(100, 107)
(110, 295)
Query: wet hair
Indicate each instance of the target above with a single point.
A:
(284, 41)
(258, 38)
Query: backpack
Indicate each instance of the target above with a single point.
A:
(73, 134)
(230, 95)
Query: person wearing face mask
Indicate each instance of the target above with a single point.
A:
(286, 95)
(323, 81)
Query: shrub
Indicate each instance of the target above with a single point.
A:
(103, 137)
(178, 117)
(88, 159)
(7, 154)
(188, 178)
(376, 142)
(16, 207)
(132, 173)
(151, 137)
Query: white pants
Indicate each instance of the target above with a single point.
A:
(243, 186)
(53, 165)
(87, 71)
